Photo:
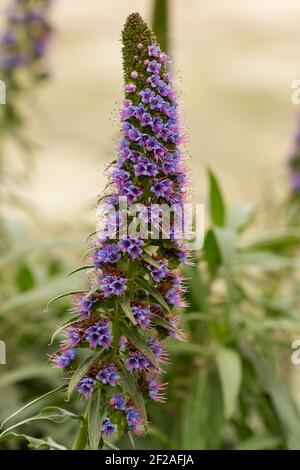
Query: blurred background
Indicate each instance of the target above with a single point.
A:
(234, 63)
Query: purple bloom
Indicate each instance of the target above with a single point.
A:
(137, 361)
(153, 50)
(84, 306)
(130, 88)
(146, 95)
(133, 419)
(134, 134)
(108, 427)
(158, 273)
(109, 254)
(153, 67)
(146, 120)
(74, 336)
(131, 246)
(109, 375)
(99, 334)
(142, 315)
(86, 385)
(65, 359)
(112, 285)
(145, 167)
(162, 188)
(118, 402)
(155, 81)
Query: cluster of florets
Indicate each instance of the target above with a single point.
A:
(125, 314)
(25, 39)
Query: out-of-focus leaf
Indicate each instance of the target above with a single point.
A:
(33, 402)
(211, 252)
(230, 372)
(276, 240)
(216, 201)
(28, 372)
(283, 403)
(25, 278)
(239, 216)
(263, 442)
(197, 292)
(203, 412)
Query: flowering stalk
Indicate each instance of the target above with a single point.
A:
(124, 316)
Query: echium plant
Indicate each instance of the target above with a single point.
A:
(23, 47)
(124, 316)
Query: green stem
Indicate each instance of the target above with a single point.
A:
(81, 438)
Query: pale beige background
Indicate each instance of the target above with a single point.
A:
(235, 60)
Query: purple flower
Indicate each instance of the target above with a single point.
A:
(133, 419)
(153, 67)
(86, 385)
(158, 273)
(130, 88)
(134, 134)
(153, 50)
(130, 191)
(145, 167)
(118, 402)
(65, 359)
(142, 315)
(109, 254)
(155, 81)
(146, 95)
(84, 306)
(74, 336)
(109, 375)
(131, 246)
(162, 188)
(112, 285)
(154, 390)
(137, 361)
(146, 120)
(99, 334)
(108, 427)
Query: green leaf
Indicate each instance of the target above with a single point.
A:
(34, 443)
(239, 216)
(130, 386)
(82, 268)
(155, 294)
(263, 442)
(139, 342)
(203, 412)
(33, 402)
(212, 252)
(67, 323)
(66, 294)
(230, 372)
(216, 201)
(125, 305)
(28, 372)
(157, 320)
(95, 417)
(50, 413)
(81, 371)
(148, 259)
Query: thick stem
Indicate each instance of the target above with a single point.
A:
(81, 438)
